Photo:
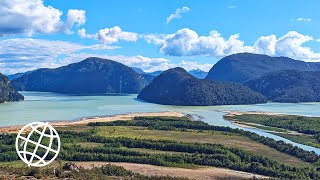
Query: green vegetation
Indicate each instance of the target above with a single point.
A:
(119, 141)
(177, 87)
(308, 126)
(71, 171)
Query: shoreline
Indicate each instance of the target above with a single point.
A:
(86, 120)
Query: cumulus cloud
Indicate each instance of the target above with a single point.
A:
(32, 17)
(110, 35)
(303, 19)
(74, 16)
(177, 14)
(186, 42)
(23, 54)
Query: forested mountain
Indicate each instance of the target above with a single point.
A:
(7, 91)
(90, 76)
(288, 86)
(177, 87)
(244, 66)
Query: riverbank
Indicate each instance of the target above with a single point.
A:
(299, 129)
(84, 121)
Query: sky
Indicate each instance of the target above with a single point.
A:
(154, 35)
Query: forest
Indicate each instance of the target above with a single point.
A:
(109, 148)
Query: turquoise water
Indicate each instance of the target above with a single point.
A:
(39, 106)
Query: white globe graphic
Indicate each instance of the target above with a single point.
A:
(38, 144)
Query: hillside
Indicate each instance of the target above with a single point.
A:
(177, 87)
(198, 73)
(7, 91)
(90, 76)
(244, 66)
(288, 86)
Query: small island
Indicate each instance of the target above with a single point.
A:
(177, 87)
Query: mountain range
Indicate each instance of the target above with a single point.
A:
(90, 76)
(7, 91)
(279, 79)
(245, 66)
(195, 72)
(177, 87)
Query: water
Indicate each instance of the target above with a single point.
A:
(40, 106)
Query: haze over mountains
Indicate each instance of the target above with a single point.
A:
(7, 91)
(177, 87)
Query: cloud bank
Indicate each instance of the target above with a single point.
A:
(186, 42)
(33, 17)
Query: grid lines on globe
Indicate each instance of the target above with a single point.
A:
(38, 144)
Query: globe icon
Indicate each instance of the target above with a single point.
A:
(38, 144)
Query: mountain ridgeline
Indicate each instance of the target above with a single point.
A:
(288, 86)
(7, 91)
(245, 66)
(177, 87)
(90, 76)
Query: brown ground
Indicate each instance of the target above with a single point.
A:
(198, 174)
(130, 116)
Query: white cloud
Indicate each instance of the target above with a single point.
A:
(303, 19)
(110, 35)
(74, 16)
(186, 42)
(33, 17)
(177, 14)
(23, 54)
(83, 34)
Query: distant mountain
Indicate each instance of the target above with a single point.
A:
(138, 70)
(17, 75)
(245, 66)
(155, 73)
(288, 86)
(177, 87)
(7, 91)
(90, 76)
(198, 73)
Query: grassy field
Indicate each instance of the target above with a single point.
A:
(167, 146)
(224, 138)
(300, 129)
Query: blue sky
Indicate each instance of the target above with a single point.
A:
(154, 35)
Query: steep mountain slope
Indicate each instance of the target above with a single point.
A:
(92, 75)
(244, 66)
(7, 91)
(288, 86)
(177, 87)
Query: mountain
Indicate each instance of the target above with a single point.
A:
(155, 73)
(7, 91)
(177, 87)
(17, 75)
(288, 86)
(138, 70)
(198, 73)
(244, 66)
(90, 76)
